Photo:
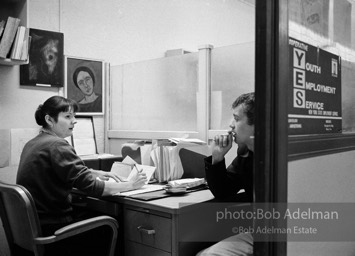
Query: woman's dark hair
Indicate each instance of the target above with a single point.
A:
(85, 69)
(248, 101)
(52, 107)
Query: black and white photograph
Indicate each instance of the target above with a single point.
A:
(178, 128)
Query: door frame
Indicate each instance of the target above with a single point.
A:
(271, 137)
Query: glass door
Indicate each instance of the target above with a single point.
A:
(271, 62)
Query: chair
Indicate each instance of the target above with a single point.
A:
(193, 164)
(22, 227)
(132, 149)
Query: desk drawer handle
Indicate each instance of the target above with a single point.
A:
(146, 231)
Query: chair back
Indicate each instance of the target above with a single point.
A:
(19, 216)
(193, 164)
(132, 150)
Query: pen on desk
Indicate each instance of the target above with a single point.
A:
(139, 171)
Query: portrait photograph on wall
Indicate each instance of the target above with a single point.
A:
(84, 83)
(45, 67)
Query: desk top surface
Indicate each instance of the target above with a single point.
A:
(174, 204)
(171, 204)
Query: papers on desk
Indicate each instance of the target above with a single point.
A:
(168, 162)
(122, 170)
(148, 170)
(146, 188)
(187, 182)
(183, 185)
(128, 168)
(165, 156)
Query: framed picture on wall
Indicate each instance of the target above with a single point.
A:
(84, 83)
(45, 67)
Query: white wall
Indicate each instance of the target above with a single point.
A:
(323, 179)
(128, 31)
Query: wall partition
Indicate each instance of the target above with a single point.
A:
(155, 95)
(184, 95)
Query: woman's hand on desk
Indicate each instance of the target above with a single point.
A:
(138, 180)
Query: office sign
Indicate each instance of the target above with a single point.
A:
(314, 102)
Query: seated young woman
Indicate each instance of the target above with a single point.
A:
(50, 168)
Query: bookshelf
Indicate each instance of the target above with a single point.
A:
(17, 9)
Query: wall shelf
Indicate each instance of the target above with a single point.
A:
(18, 9)
(10, 62)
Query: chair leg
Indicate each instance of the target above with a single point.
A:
(113, 243)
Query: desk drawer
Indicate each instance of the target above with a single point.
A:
(135, 249)
(148, 229)
(98, 205)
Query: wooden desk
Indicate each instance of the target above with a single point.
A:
(153, 227)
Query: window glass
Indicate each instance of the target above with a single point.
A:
(232, 73)
(327, 25)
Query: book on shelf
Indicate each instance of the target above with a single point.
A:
(17, 46)
(26, 45)
(2, 26)
(8, 36)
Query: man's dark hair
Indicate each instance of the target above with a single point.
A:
(248, 102)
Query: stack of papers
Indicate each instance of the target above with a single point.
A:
(187, 183)
(144, 189)
(168, 163)
(184, 185)
(167, 160)
(128, 168)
